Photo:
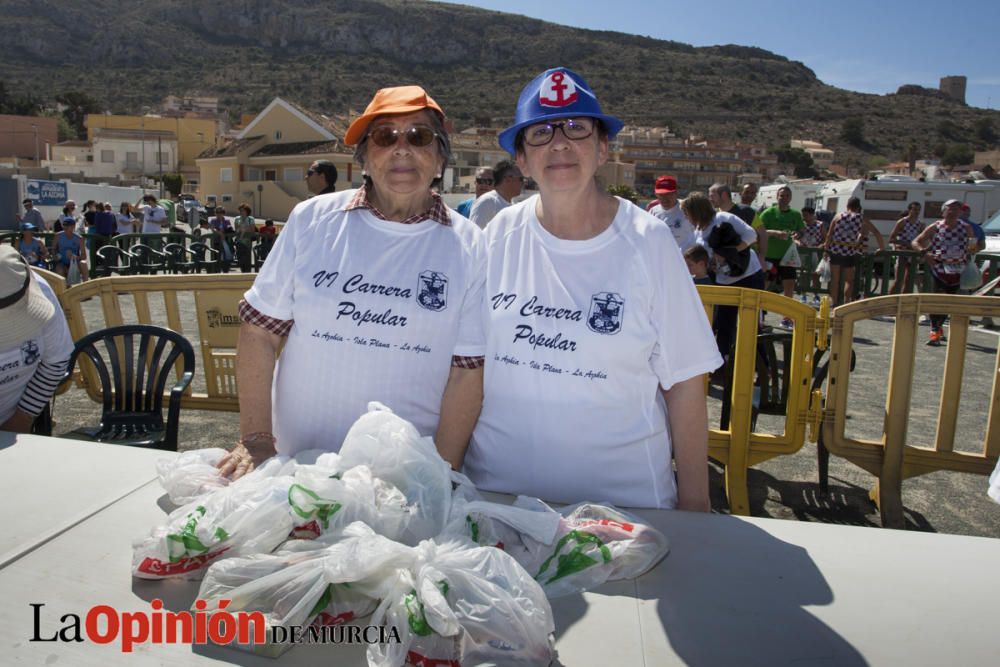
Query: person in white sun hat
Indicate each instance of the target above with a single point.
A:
(35, 343)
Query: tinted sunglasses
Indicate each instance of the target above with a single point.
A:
(417, 135)
(484, 181)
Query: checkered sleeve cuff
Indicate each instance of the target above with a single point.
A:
(470, 363)
(251, 315)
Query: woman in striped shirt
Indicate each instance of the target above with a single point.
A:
(903, 232)
(845, 243)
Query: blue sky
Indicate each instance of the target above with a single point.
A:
(871, 47)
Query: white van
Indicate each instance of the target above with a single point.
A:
(884, 200)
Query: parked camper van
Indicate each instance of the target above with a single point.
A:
(804, 193)
(885, 200)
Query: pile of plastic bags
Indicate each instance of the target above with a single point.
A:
(385, 529)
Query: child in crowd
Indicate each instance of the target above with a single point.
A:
(812, 237)
(696, 258)
(267, 235)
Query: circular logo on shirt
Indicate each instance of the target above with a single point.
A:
(432, 290)
(606, 310)
(29, 352)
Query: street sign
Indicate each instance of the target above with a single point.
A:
(46, 193)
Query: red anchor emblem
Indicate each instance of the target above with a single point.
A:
(556, 93)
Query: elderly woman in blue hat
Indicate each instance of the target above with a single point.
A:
(597, 342)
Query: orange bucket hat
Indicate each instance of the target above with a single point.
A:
(402, 99)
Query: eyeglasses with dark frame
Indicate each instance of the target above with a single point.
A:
(417, 136)
(573, 129)
(484, 181)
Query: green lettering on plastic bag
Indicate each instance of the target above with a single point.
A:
(415, 610)
(323, 601)
(473, 527)
(574, 561)
(321, 508)
(186, 539)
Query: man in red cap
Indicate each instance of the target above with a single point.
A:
(977, 229)
(669, 212)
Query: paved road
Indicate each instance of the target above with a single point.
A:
(785, 487)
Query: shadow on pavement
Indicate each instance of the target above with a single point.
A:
(845, 503)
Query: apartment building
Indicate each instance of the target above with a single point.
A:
(265, 164)
(822, 156)
(696, 163)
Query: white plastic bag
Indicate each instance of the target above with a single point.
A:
(191, 474)
(249, 516)
(322, 503)
(464, 605)
(305, 582)
(493, 524)
(972, 277)
(73, 276)
(823, 271)
(594, 544)
(994, 490)
(395, 452)
(791, 257)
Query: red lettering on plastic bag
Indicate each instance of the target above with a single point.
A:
(307, 531)
(157, 567)
(627, 527)
(331, 619)
(414, 659)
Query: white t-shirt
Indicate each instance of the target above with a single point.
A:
(747, 234)
(124, 223)
(486, 207)
(679, 225)
(379, 309)
(52, 343)
(581, 336)
(153, 219)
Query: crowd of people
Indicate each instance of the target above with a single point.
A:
(725, 243)
(77, 238)
(554, 347)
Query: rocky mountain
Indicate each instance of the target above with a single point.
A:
(331, 56)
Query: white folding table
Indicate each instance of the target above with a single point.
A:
(732, 591)
(52, 484)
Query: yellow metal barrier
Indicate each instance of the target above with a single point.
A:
(216, 298)
(890, 459)
(738, 447)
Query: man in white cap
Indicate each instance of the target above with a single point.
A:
(35, 343)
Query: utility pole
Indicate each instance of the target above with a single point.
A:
(142, 131)
(35, 128)
(159, 160)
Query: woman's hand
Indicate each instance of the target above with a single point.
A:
(236, 463)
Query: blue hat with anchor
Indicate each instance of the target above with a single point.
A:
(556, 93)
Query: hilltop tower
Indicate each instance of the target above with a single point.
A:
(953, 87)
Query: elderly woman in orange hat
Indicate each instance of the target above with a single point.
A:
(377, 295)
